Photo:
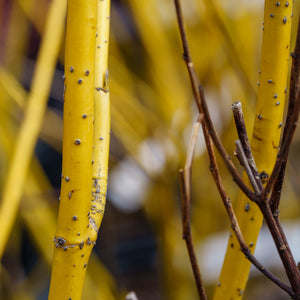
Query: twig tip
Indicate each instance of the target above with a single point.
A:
(236, 105)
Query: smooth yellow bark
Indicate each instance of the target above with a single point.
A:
(33, 119)
(265, 140)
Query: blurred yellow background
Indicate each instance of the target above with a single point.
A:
(140, 246)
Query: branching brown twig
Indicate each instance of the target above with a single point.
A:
(234, 223)
(275, 182)
(272, 220)
(222, 151)
(184, 179)
(208, 127)
(268, 206)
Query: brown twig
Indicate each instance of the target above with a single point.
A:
(210, 135)
(185, 204)
(274, 204)
(222, 151)
(234, 223)
(202, 107)
(284, 252)
(276, 192)
(245, 163)
(275, 200)
(269, 209)
(185, 196)
(243, 137)
(271, 220)
(277, 176)
(294, 87)
(187, 56)
(283, 153)
(187, 236)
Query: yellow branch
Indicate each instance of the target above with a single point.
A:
(220, 24)
(265, 140)
(33, 119)
(73, 244)
(34, 11)
(163, 75)
(102, 119)
(38, 211)
(51, 129)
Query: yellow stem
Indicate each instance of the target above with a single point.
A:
(219, 24)
(33, 119)
(163, 75)
(34, 11)
(102, 119)
(265, 140)
(16, 39)
(51, 130)
(72, 243)
(38, 212)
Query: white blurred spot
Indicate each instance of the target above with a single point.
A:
(128, 185)
(152, 156)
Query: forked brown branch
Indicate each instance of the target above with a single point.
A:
(268, 206)
(186, 219)
(270, 215)
(208, 127)
(234, 223)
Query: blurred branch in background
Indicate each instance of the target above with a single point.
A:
(29, 131)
